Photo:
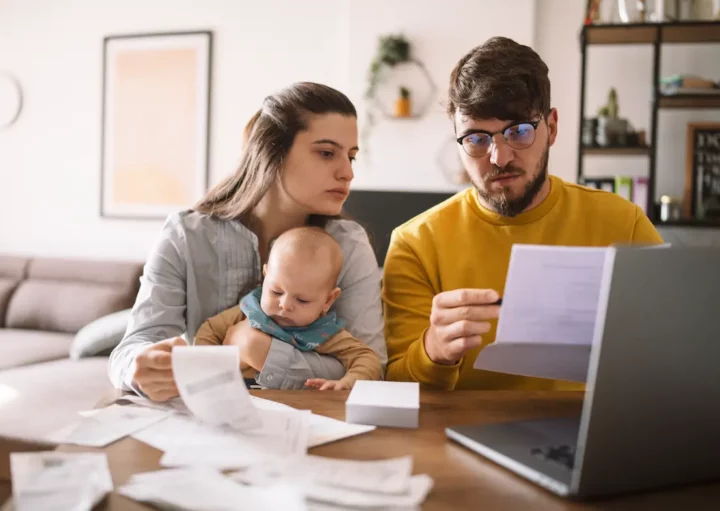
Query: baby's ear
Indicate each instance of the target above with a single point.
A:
(334, 294)
(264, 270)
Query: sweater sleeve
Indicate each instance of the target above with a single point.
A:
(407, 298)
(214, 330)
(358, 359)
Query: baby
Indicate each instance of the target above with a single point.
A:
(293, 305)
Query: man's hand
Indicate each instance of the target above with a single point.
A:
(457, 320)
(153, 370)
(254, 344)
(323, 384)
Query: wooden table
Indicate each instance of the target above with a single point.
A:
(463, 479)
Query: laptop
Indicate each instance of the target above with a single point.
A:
(651, 412)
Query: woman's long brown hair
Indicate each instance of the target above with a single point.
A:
(268, 137)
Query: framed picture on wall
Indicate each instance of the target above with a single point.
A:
(702, 171)
(155, 123)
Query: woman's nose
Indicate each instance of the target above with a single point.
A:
(345, 172)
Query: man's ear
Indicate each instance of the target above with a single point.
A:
(334, 294)
(552, 124)
(264, 270)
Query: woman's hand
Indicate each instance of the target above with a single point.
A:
(323, 384)
(254, 344)
(153, 370)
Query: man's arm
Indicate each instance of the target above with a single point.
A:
(214, 330)
(407, 297)
(358, 359)
(644, 231)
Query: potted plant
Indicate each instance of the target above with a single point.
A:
(403, 105)
(392, 50)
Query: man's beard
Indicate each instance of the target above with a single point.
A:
(499, 202)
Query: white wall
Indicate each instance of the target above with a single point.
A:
(49, 160)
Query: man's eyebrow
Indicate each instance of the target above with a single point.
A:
(333, 143)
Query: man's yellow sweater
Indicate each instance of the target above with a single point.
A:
(460, 244)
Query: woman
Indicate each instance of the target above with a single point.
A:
(296, 169)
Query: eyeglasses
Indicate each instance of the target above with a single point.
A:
(479, 143)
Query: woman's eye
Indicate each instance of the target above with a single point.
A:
(353, 158)
(326, 154)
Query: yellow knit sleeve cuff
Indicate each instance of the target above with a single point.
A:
(429, 373)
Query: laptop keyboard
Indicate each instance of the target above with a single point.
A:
(563, 455)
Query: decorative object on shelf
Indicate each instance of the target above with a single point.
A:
(611, 129)
(632, 11)
(600, 183)
(11, 100)
(403, 104)
(670, 208)
(702, 171)
(156, 123)
(394, 66)
(688, 84)
(640, 192)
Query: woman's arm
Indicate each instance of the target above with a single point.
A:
(359, 306)
(159, 310)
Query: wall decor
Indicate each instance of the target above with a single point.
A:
(11, 100)
(155, 123)
(702, 171)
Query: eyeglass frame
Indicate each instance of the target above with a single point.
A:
(534, 124)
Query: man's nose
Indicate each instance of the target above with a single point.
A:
(501, 153)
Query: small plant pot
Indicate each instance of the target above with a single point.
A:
(403, 107)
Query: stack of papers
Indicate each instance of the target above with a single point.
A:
(199, 490)
(345, 483)
(53, 480)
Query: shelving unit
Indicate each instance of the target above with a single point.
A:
(657, 35)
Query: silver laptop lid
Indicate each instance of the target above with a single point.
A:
(651, 415)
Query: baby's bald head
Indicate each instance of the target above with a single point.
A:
(305, 247)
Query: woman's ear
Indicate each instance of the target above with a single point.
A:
(334, 294)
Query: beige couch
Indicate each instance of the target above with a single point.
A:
(44, 303)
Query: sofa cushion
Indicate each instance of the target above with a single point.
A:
(64, 295)
(23, 347)
(100, 336)
(7, 288)
(38, 400)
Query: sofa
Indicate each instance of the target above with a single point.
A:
(59, 319)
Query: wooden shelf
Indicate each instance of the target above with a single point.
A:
(689, 222)
(690, 101)
(617, 151)
(649, 33)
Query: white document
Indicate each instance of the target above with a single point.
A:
(178, 432)
(212, 387)
(324, 430)
(106, 425)
(173, 405)
(200, 490)
(384, 476)
(551, 295)
(52, 480)
(283, 434)
(549, 310)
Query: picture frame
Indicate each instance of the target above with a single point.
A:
(702, 171)
(156, 110)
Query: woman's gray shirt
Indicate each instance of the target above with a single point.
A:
(201, 266)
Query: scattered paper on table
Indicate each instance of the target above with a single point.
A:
(212, 387)
(55, 480)
(106, 425)
(324, 430)
(200, 490)
(172, 405)
(382, 476)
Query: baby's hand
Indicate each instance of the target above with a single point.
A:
(323, 384)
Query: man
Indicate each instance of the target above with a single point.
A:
(445, 268)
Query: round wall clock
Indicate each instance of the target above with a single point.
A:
(10, 99)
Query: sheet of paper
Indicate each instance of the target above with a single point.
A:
(177, 432)
(383, 476)
(324, 430)
(109, 424)
(54, 480)
(551, 295)
(212, 387)
(172, 405)
(200, 490)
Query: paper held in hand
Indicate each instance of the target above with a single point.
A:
(212, 387)
(550, 303)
